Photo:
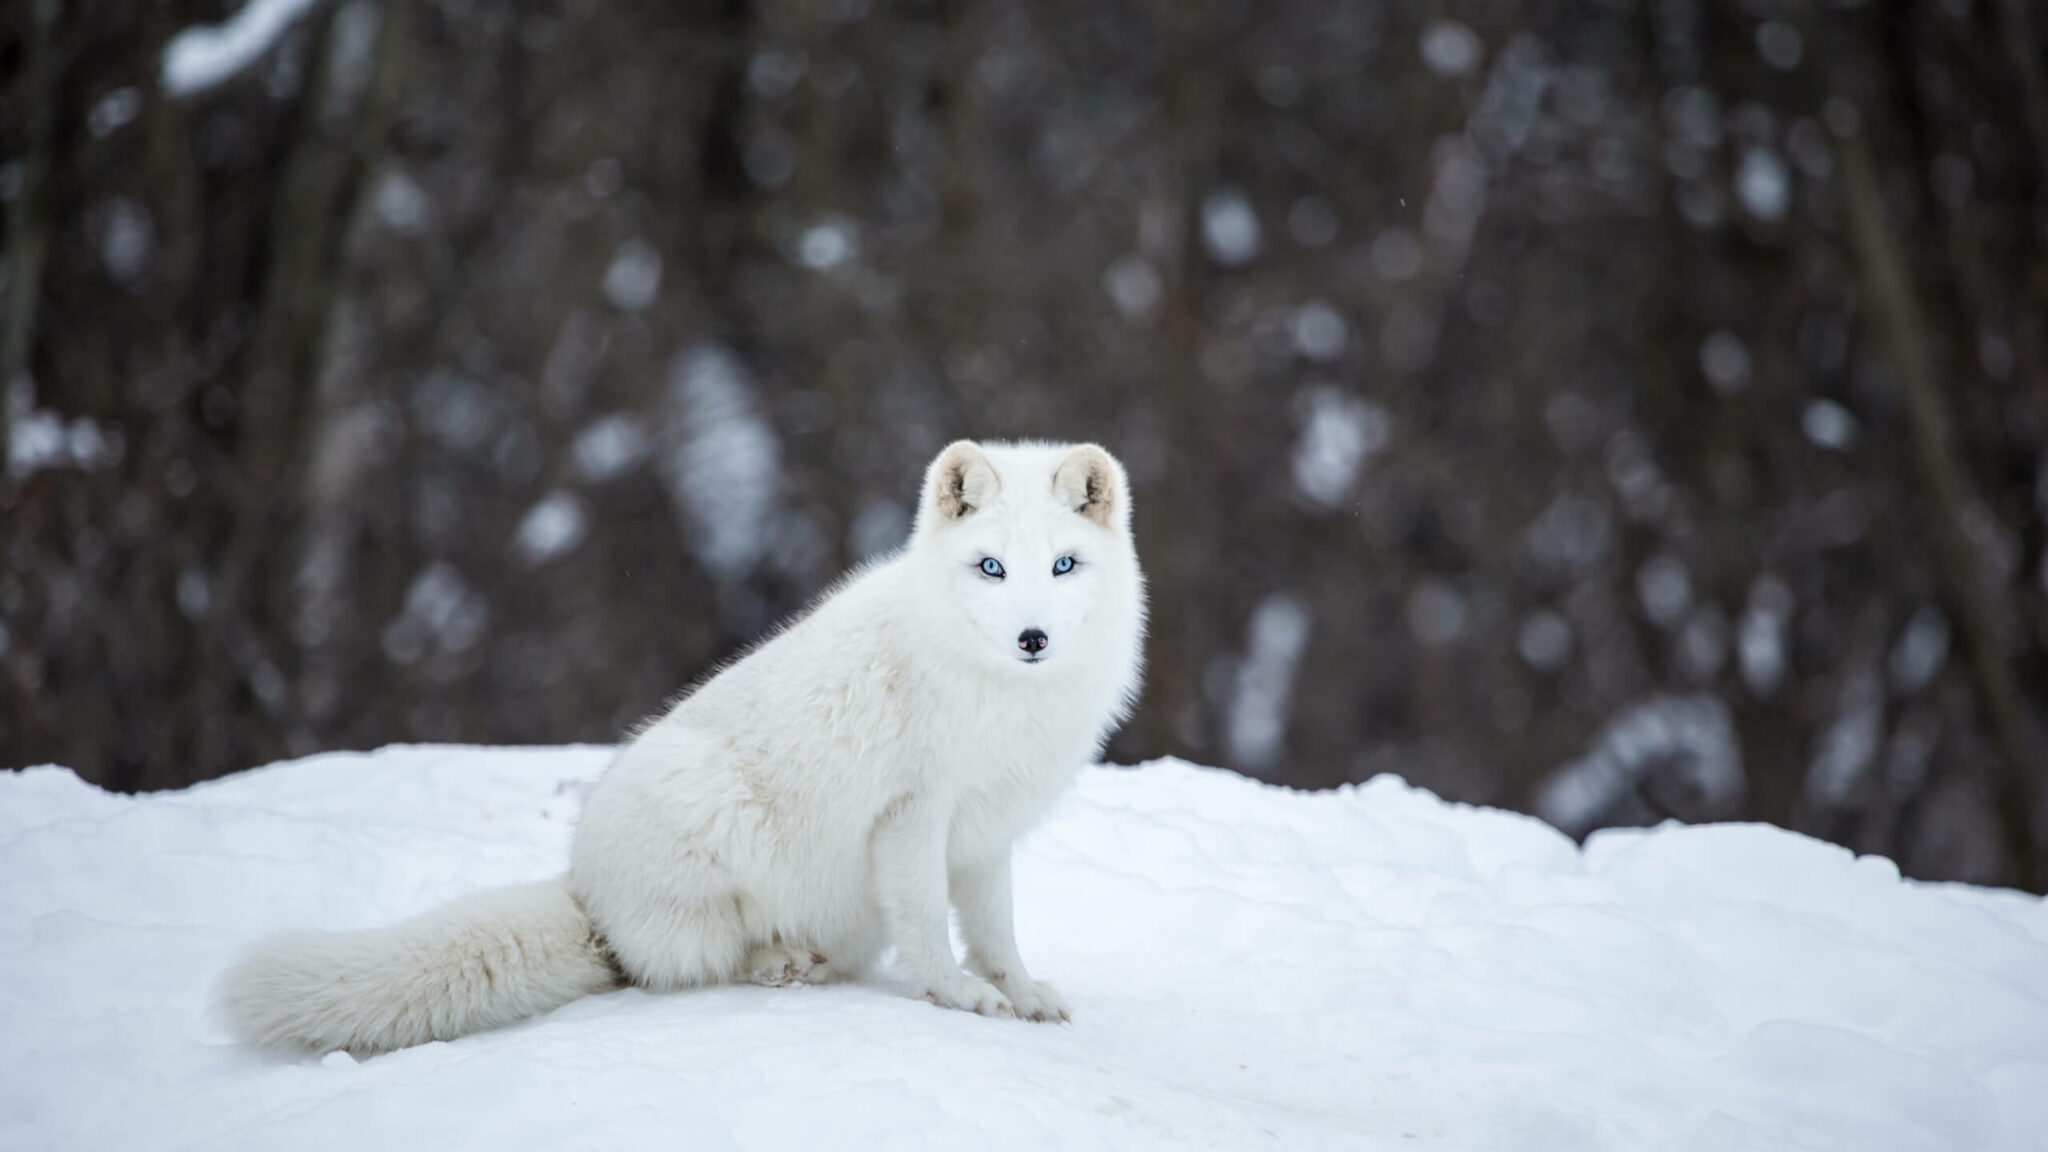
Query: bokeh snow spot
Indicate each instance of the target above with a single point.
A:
(201, 57)
(1665, 589)
(1572, 532)
(1451, 49)
(400, 203)
(1544, 640)
(1436, 614)
(724, 466)
(1848, 745)
(1133, 286)
(1230, 229)
(828, 244)
(1257, 723)
(1828, 425)
(1921, 650)
(1724, 360)
(1319, 332)
(1764, 184)
(113, 111)
(1780, 44)
(38, 438)
(552, 527)
(1339, 433)
(633, 278)
(441, 610)
(127, 242)
(1760, 638)
(1690, 737)
(608, 447)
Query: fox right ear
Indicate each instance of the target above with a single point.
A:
(960, 481)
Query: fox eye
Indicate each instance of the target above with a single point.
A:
(1063, 565)
(992, 567)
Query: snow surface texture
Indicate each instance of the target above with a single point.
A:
(1249, 968)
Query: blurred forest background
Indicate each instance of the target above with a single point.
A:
(1611, 410)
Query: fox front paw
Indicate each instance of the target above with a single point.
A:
(968, 994)
(1036, 1001)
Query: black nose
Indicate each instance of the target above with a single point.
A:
(1032, 640)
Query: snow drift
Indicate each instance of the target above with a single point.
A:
(1248, 967)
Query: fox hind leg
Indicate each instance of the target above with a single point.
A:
(778, 965)
(681, 947)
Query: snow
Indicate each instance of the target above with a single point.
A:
(1509, 104)
(829, 244)
(1340, 433)
(39, 438)
(1761, 640)
(1133, 286)
(195, 592)
(1370, 968)
(774, 73)
(1779, 43)
(1828, 425)
(1691, 738)
(114, 111)
(441, 608)
(1665, 589)
(724, 469)
(608, 447)
(1230, 228)
(202, 57)
(1849, 745)
(1921, 651)
(633, 278)
(1458, 197)
(401, 204)
(1276, 637)
(1319, 332)
(1724, 359)
(1436, 613)
(1452, 50)
(1764, 184)
(1572, 532)
(551, 528)
(127, 242)
(1544, 640)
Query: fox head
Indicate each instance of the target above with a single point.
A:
(1026, 550)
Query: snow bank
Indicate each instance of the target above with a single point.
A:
(1249, 968)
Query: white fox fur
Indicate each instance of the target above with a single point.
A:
(820, 798)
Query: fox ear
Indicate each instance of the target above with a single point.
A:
(960, 481)
(1091, 483)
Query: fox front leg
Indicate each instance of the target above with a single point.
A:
(981, 894)
(909, 852)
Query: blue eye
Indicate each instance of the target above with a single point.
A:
(1063, 565)
(990, 566)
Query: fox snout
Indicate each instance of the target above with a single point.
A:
(1032, 642)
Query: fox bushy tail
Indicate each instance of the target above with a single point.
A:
(480, 962)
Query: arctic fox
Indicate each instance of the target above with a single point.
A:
(820, 798)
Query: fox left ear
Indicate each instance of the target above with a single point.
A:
(960, 481)
(1090, 482)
